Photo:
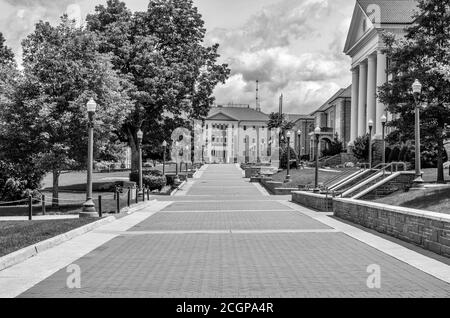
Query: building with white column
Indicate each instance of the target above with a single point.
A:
(369, 65)
(236, 133)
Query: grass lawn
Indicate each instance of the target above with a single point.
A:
(15, 235)
(435, 200)
(304, 177)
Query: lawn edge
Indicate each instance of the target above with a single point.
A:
(32, 250)
(177, 188)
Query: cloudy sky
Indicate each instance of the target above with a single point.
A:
(292, 47)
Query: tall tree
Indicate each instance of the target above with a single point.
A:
(48, 120)
(161, 50)
(6, 54)
(423, 55)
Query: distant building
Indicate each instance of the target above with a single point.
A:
(236, 133)
(333, 118)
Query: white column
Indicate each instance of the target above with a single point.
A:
(354, 109)
(362, 100)
(381, 80)
(371, 89)
(229, 143)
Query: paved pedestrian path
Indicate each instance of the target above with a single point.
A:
(222, 237)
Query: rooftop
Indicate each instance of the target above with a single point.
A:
(238, 113)
(342, 93)
(392, 11)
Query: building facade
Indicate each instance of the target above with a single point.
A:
(236, 133)
(369, 64)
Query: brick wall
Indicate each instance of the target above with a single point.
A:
(314, 201)
(426, 229)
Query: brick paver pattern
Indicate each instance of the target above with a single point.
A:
(252, 246)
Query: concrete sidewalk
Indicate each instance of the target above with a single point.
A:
(224, 238)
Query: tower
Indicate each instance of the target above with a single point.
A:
(258, 105)
(280, 110)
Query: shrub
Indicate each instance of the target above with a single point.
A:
(394, 155)
(17, 182)
(334, 148)
(284, 160)
(152, 179)
(361, 148)
(154, 182)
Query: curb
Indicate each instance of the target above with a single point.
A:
(177, 188)
(30, 251)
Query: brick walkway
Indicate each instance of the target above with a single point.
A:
(223, 238)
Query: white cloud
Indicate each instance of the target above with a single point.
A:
(294, 47)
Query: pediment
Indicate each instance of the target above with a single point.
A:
(362, 23)
(221, 117)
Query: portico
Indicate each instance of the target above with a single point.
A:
(369, 64)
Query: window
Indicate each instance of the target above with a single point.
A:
(262, 141)
(254, 140)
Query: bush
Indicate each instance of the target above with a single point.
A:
(334, 148)
(394, 155)
(17, 182)
(361, 148)
(154, 182)
(151, 179)
(284, 160)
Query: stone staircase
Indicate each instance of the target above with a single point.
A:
(364, 181)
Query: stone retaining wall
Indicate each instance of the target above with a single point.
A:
(274, 187)
(314, 201)
(428, 230)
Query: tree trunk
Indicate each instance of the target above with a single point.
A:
(55, 194)
(440, 162)
(134, 150)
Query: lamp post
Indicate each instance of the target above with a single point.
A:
(370, 142)
(177, 178)
(89, 206)
(317, 132)
(164, 144)
(288, 176)
(203, 153)
(299, 134)
(417, 90)
(140, 136)
(383, 137)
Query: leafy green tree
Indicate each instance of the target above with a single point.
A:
(424, 55)
(161, 51)
(47, 121)
(6, 54)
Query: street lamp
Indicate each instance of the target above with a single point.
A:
(140, 136)
(164, 144)
(417, 90)
(317, 133)
(299, 134)
(288, 176)
(383, 133)
(89, 206)
(177, 178)
(370, 142)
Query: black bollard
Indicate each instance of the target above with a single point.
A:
(129, 197)
(100, 212)
(30, 208)
(43, 204)
(117, 202)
